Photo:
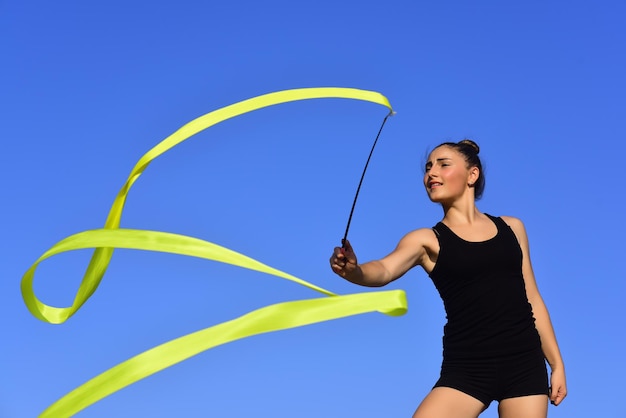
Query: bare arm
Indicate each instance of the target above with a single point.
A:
(543, 323)
(409, 252)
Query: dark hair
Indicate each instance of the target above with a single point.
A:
(469, 150)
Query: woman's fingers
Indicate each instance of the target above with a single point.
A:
(558, 391)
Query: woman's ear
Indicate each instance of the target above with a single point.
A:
(474, 174)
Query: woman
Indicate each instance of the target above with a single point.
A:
(499, 332)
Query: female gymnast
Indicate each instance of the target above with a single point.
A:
(498, 335)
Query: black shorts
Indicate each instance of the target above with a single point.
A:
(496, 378)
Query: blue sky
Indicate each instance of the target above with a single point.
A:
(89, 87)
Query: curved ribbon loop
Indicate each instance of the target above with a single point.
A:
(102, 255)
(271, 318)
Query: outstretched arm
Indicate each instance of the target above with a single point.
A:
(543, 323)
(410, 251)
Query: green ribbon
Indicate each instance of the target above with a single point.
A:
(270, 318)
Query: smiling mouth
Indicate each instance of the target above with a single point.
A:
(433, 185)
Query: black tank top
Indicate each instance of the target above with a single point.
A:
(484, 296)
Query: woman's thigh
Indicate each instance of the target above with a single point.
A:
(532, 406)
(445, 402)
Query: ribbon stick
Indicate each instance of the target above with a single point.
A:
(271, 318)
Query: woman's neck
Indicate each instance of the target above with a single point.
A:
(461, 213)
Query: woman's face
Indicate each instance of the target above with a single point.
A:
(446, 176)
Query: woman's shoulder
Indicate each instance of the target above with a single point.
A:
(512, 221)
(517, 226)
(422, 246)
(421, 234)
(422, 237)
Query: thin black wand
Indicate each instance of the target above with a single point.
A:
(345, 236)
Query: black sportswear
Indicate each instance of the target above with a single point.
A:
(483, 292)
(492, 350)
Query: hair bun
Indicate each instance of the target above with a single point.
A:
(469, 143)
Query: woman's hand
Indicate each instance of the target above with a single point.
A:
(558, 389)
(343, 261)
